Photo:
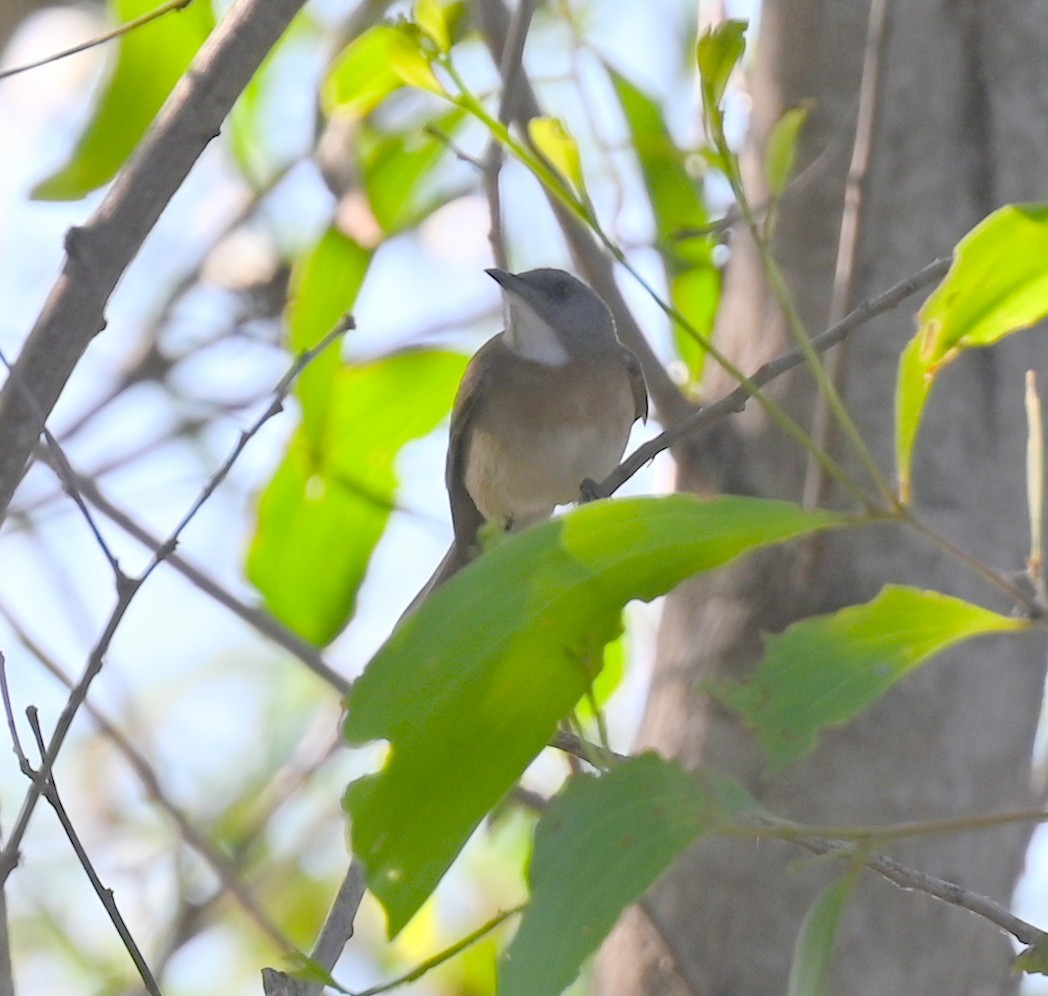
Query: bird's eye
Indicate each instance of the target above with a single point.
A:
(561, 289)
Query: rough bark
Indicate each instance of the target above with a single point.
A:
(964, 83)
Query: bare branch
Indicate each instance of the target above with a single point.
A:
(98, 254)
(126, 594)
(337, 930)
(105, 896)
(909, 878)
(851, 217)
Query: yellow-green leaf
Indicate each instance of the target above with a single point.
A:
(813, 952)
(717, 53)
(781, 149)
(149, 61)
(324, 285)
(677, 205)
(822, 671)
(326, 507)
(362, 75)
(410, 63)
(552, 138)
(429, 16)
(998, 284)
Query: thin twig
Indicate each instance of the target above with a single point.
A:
(126, 594)
(98, 254)
(851, 218)
(736, 400)
(332, 939)
(223, 869)
(118, 32)
(438, 959)
(906, 878)
(9, 712)
(105, 896)
(511, 71)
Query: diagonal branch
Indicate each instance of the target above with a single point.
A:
(126, 593)
(98, 254)
(105, 896)
(736, 400)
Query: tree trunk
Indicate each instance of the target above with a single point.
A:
(960, 115)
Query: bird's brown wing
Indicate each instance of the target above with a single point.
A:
(465, 516)
(638, 384)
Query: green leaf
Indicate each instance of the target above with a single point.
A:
(718, 53)
(478, 677)
(327, 506)
(149, 61)
(324, 286)
(410, 62)
(608, 680)
(822, 671)
(695, 293)
(998, 284)
(362, 76)
(780, 151)
(552, 138)
(395, 167)
(813, 953)
(1033, 959)
(599, 847)
(677, 205)
(429, 16)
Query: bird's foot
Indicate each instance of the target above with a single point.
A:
(589, 491)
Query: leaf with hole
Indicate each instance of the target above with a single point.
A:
(471, 686)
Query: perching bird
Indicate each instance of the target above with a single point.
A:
(543, 406)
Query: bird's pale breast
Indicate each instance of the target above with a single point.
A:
(549, 429)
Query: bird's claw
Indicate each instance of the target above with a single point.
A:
(589, 491)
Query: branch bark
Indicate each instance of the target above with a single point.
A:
(98, 253)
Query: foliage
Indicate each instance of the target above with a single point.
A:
(467, 692)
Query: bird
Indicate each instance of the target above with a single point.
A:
(544, 409)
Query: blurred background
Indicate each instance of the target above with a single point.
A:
(197, 721)
(208, 755)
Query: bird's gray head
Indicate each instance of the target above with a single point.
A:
(552, 317)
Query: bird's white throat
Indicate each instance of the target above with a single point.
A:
(532, 337)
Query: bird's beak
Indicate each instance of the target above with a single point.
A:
(509, 282)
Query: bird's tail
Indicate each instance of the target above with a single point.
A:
(454, 560)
